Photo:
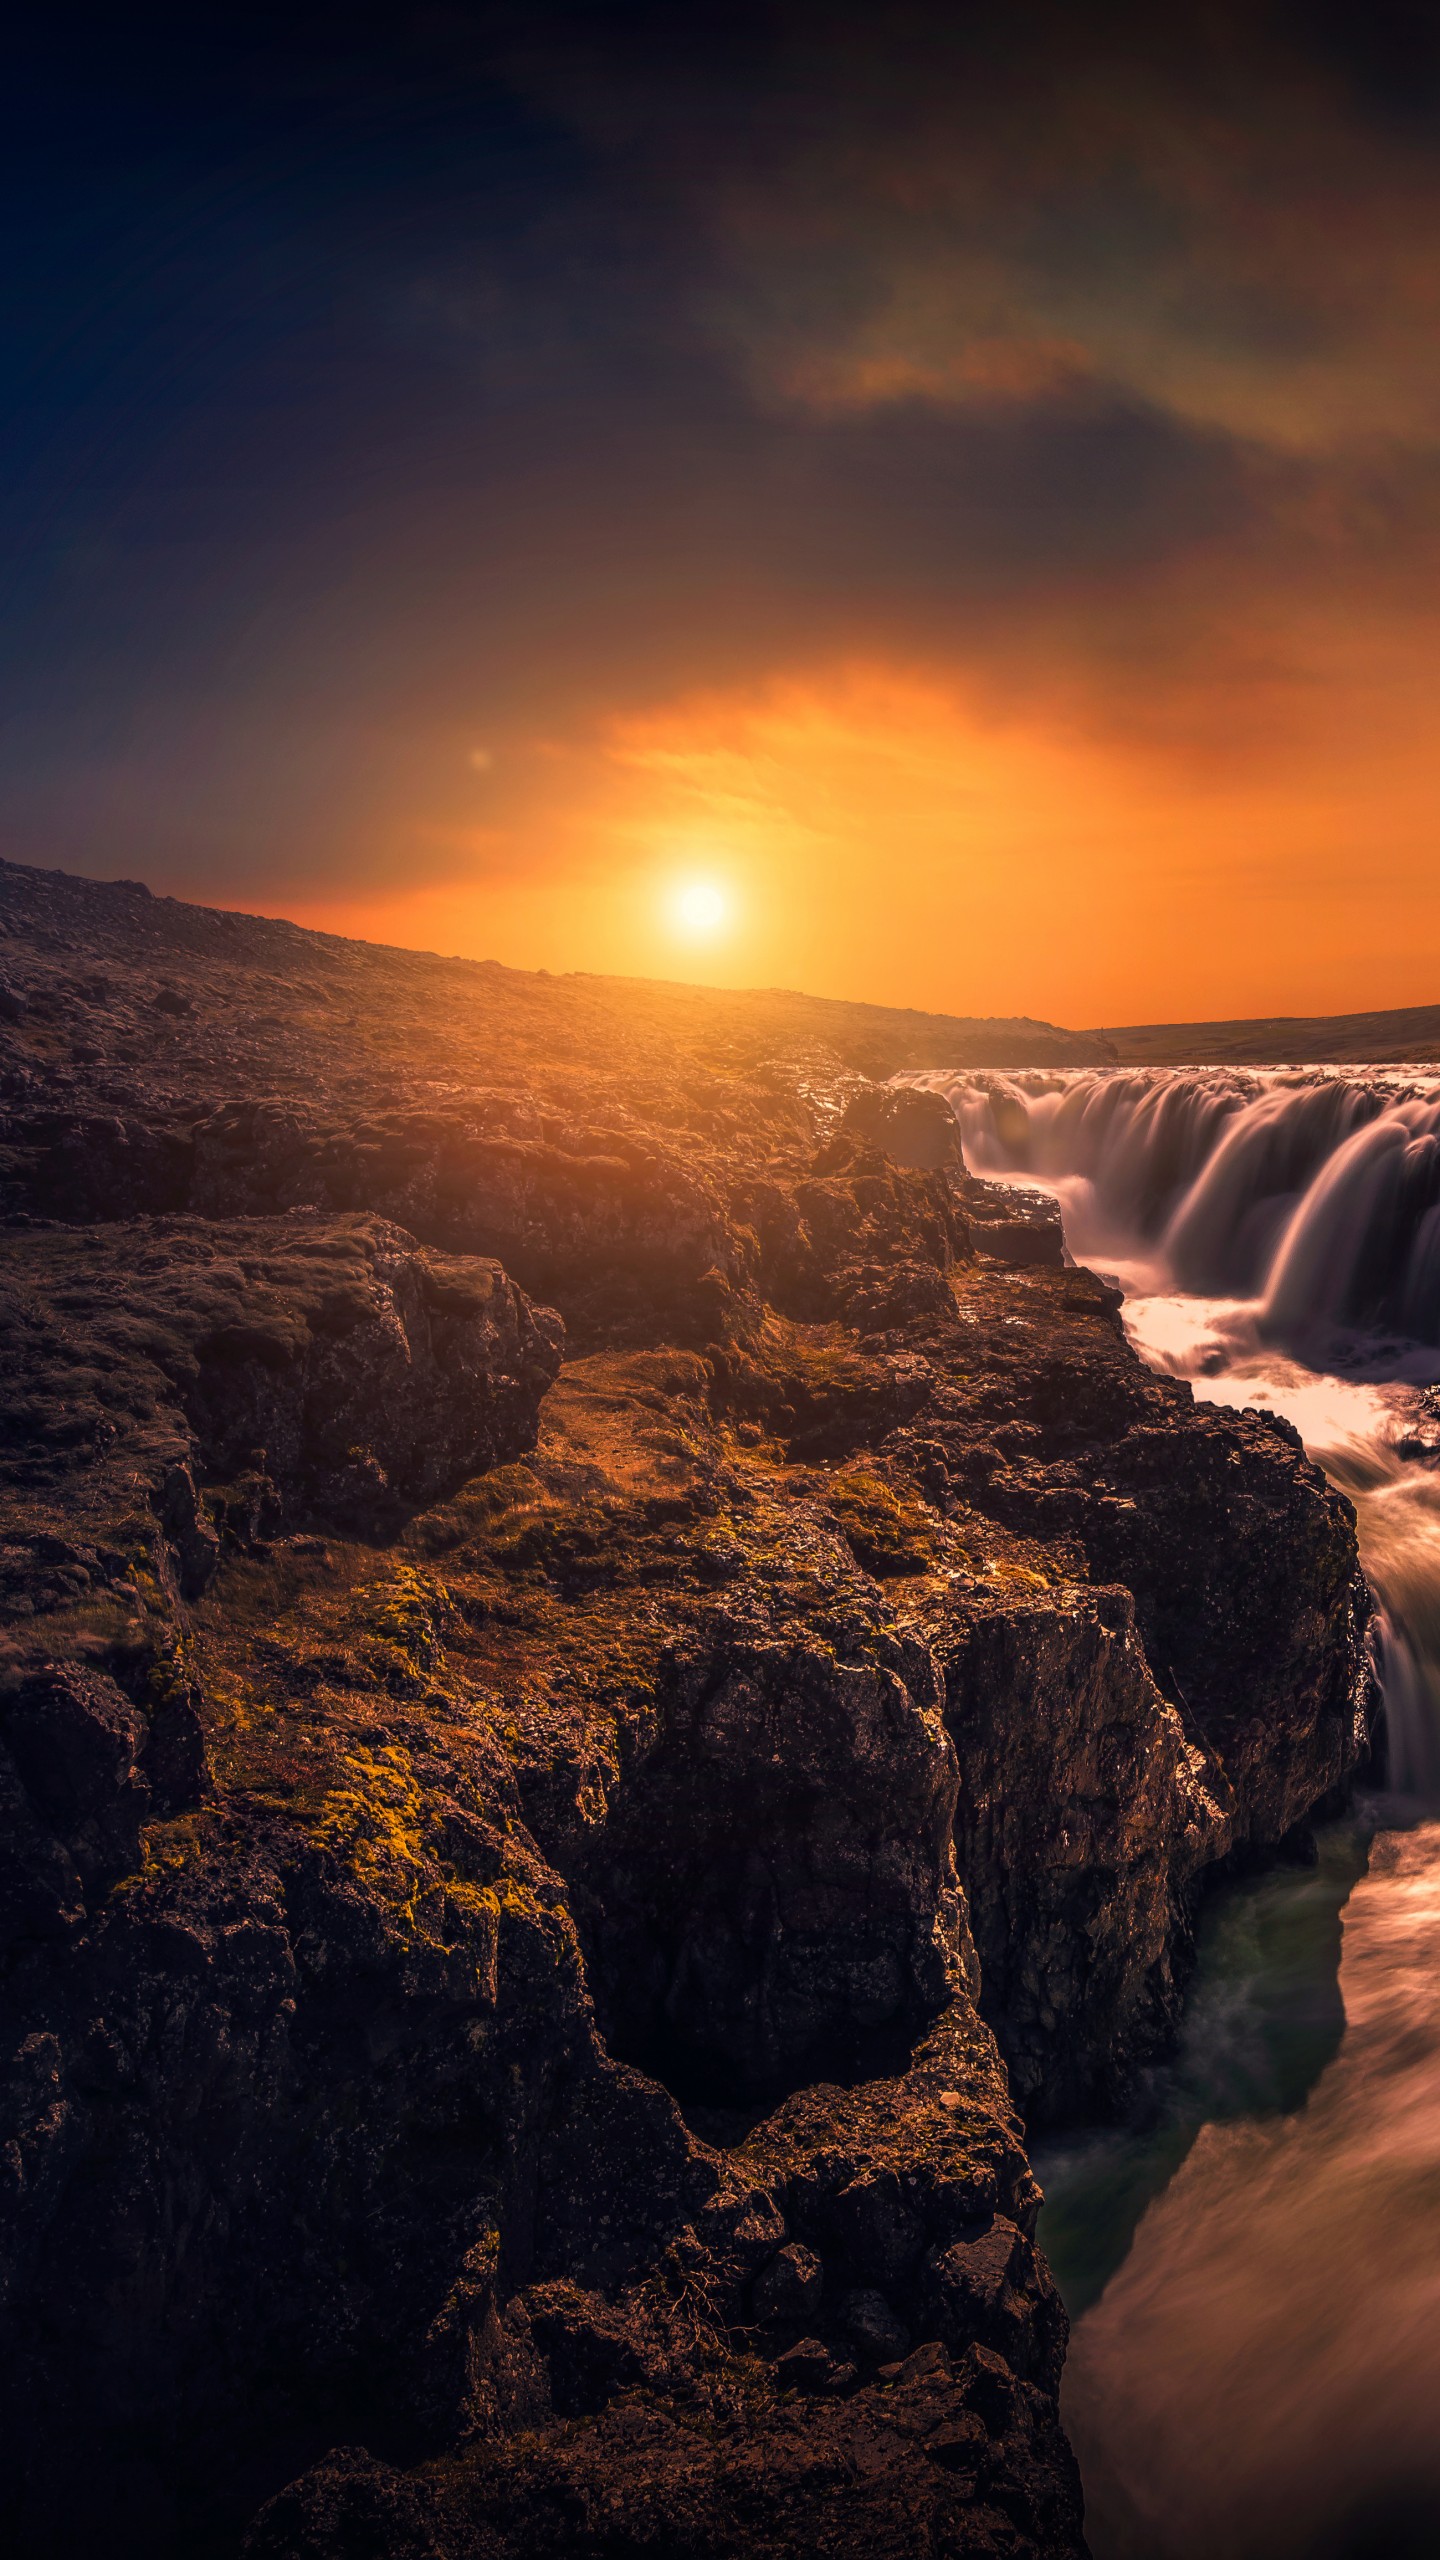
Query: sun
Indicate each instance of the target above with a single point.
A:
(698, 909)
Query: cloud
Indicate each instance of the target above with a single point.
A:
(591, 380)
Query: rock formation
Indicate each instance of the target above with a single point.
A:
(593, 1692)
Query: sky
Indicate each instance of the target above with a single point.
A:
(932, 504)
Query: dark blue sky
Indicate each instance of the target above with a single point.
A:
(378, 381)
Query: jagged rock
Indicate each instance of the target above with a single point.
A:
(77, 1793)
(772, 1895)
(493, 1845)
(370, 1373)
(867, 1242)
(1085, 1813)
(807, 2366)
(1012, 1222)
(909, 1126)
(791, 2286)
(195, 1543)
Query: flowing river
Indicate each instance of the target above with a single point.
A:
(1254, 2271)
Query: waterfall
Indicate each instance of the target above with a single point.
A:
(1315, 1194)
(1277, 1236)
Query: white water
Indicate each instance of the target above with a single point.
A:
(1260, 2379)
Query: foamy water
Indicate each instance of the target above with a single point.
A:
(1260, 2377)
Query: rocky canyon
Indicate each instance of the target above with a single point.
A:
(616, 1683)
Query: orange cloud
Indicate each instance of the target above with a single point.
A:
(879, 835)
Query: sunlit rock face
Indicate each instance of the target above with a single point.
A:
(534, 1836)
(354, 1374)
(1086, 1812)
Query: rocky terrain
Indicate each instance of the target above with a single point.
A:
(613, 1676)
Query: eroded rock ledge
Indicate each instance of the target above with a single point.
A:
(540, 1869)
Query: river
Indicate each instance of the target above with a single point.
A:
(1253, 2270)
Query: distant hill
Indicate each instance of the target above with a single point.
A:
(1409, 1036)
(85, 967)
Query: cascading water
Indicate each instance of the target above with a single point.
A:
(1259, 2376)
(1316, 1193)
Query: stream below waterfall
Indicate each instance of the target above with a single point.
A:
(1253, 2271)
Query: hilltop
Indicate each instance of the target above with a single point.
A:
(99, 974)
(1407, 1037)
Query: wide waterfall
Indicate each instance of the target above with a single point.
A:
(1315, 1193)
(1255, 2368)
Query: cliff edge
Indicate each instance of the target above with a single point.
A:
(606, 1669)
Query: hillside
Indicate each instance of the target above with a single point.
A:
(1410, 1036)
(86, 966)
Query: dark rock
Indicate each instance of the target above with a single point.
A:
(877, 2229)
(960, 2444)
(911, 1127)
(930, 2362)
(807, 2366)
(76, 1743)
(867, 1243)
(1085, 1812)
(790, 2287)
(350, 2507)
(588, 2348)
(196, 1545)
(373, 1375)
(976, 2273)
(757, 1915)
(176, 1764)
(1012, 1223)
(871, 2325)
(41, 1895)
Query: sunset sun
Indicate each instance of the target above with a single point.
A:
(699, 910)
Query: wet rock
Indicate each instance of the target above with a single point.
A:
(1012, 1223)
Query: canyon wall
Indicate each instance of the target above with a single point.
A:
(607, 1668)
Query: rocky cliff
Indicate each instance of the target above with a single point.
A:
(606, 1665)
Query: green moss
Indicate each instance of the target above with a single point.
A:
(889, 1532)
(400, 1620)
